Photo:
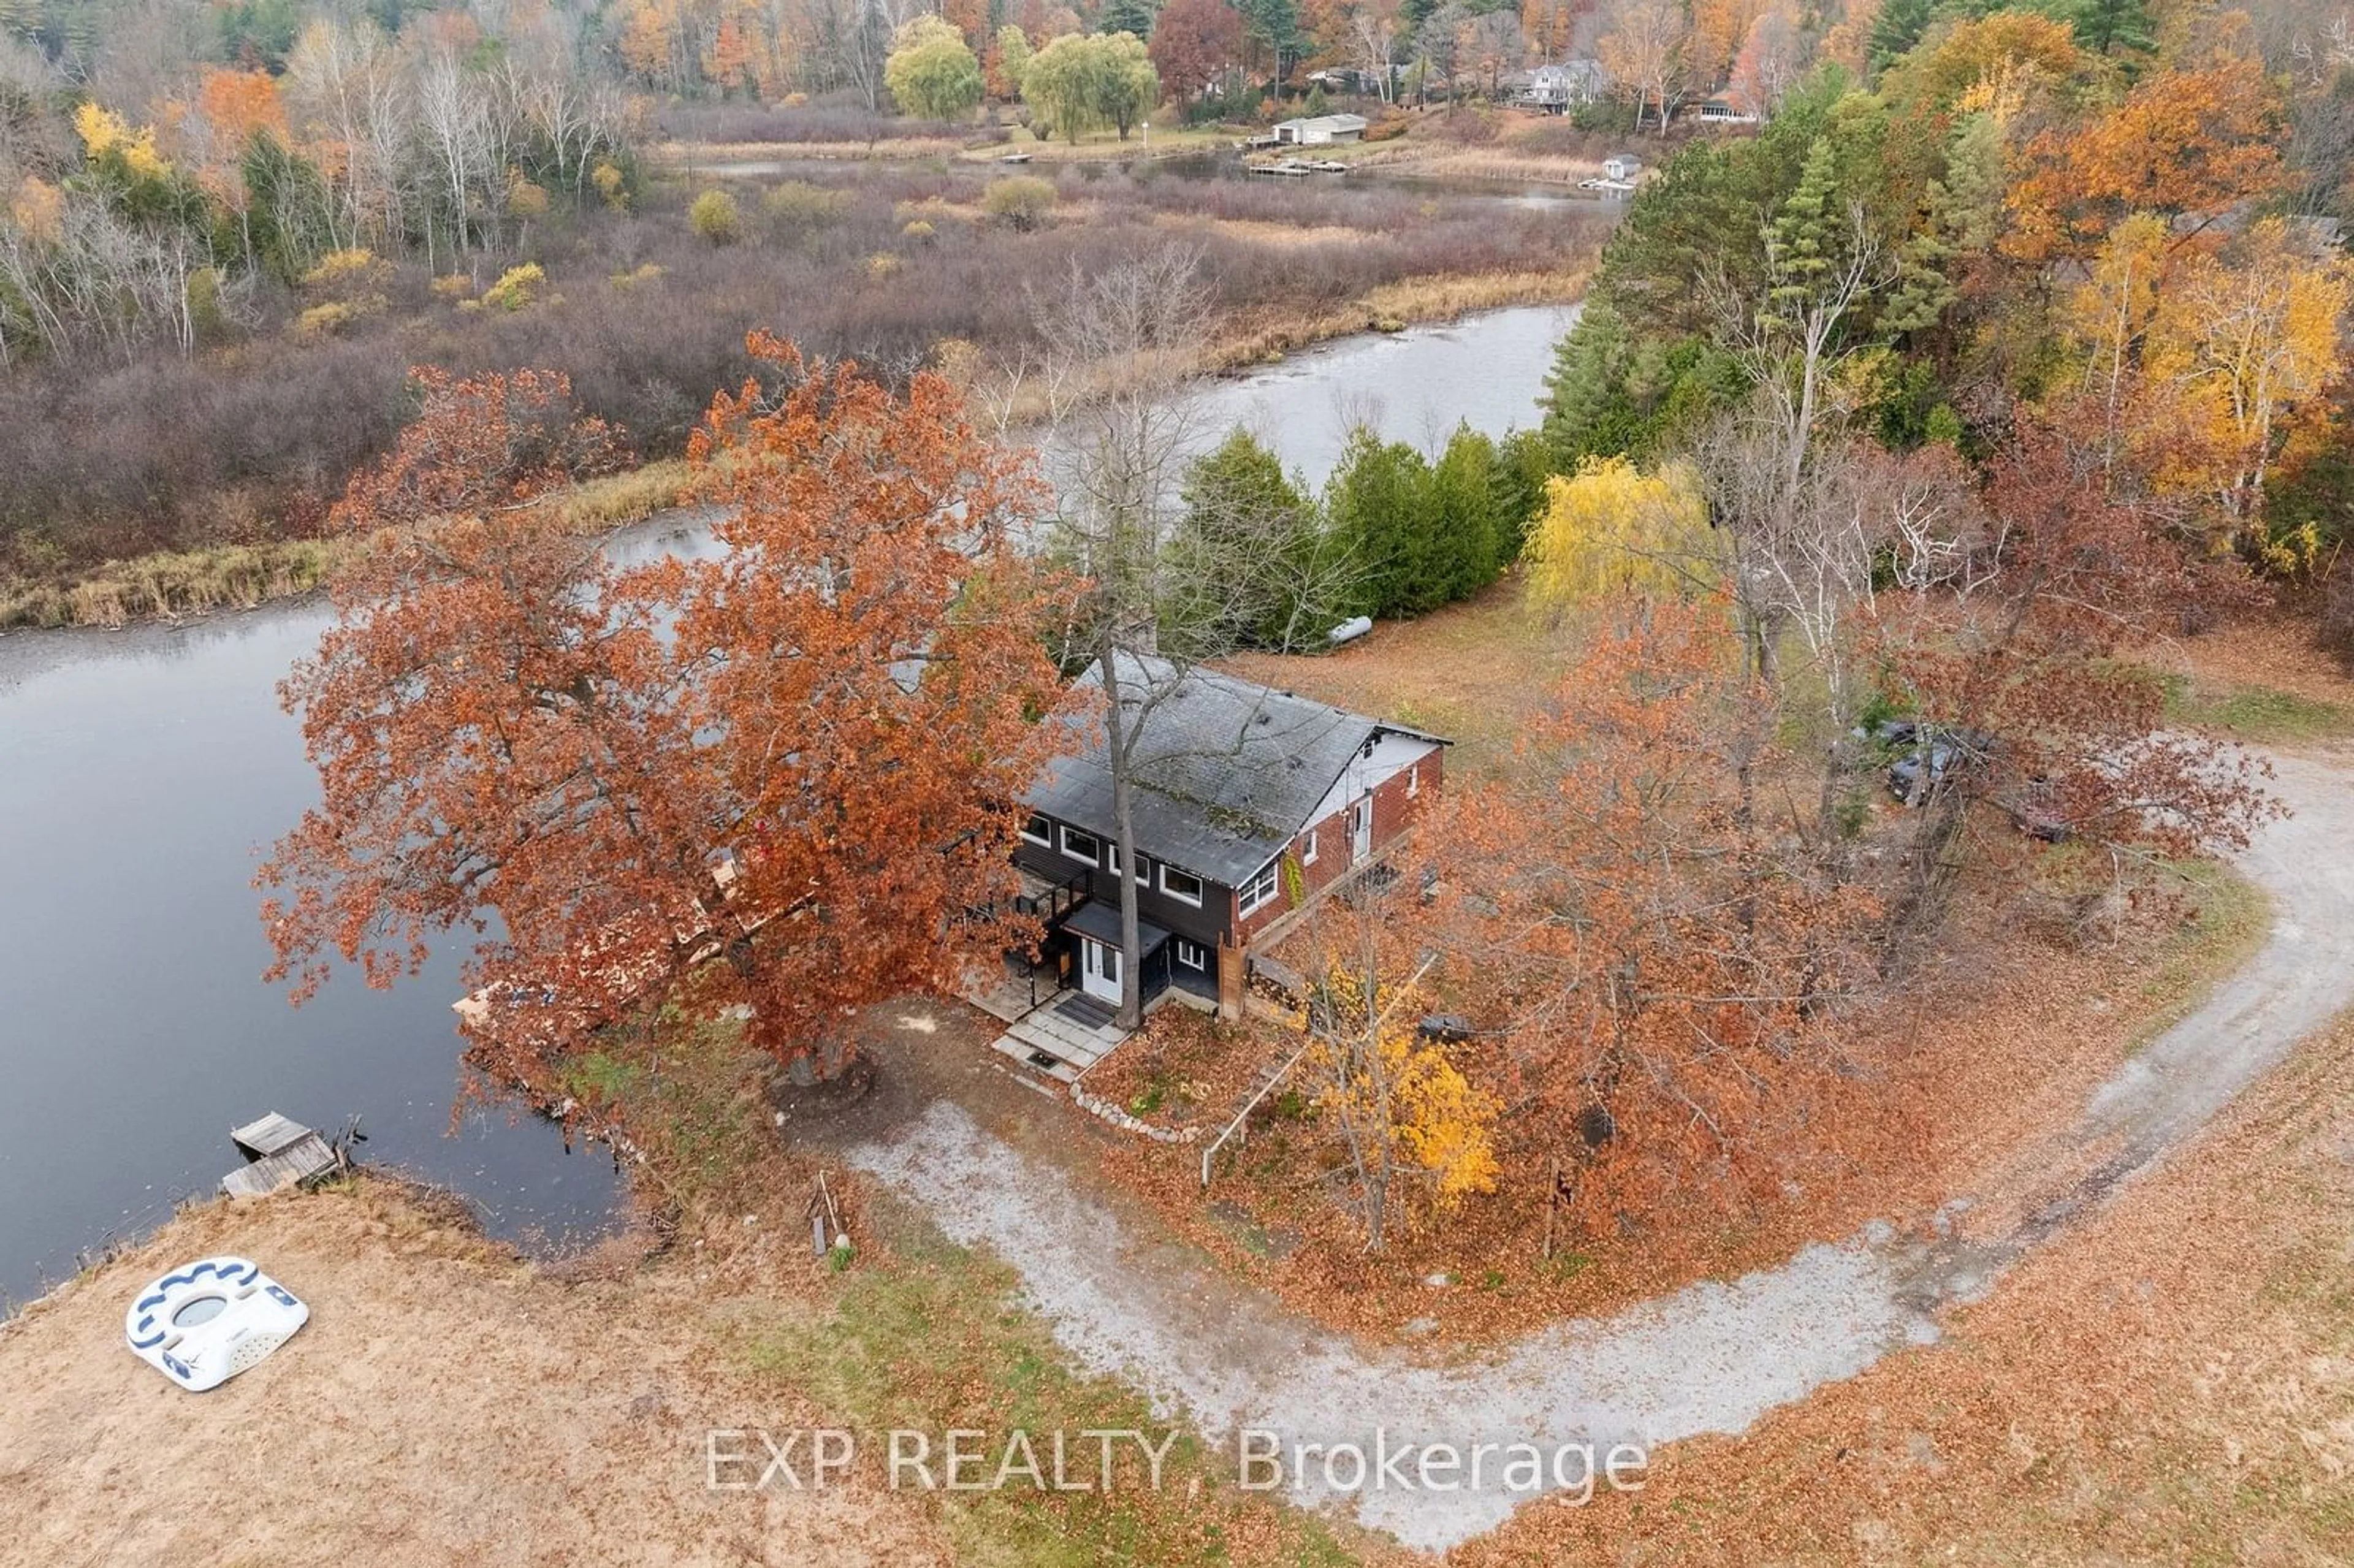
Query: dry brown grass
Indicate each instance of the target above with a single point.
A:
(446, 1403)
(1390, 308)
(170, 583)
(1503, 164)
(239, 577)
(1259, 232)
(1471, 672)
(449, 1403)
(702, 156)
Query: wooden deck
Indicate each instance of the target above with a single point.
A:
(273, 1134)
(281, 1152)
(1008, 997)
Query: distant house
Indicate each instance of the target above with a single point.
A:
(1344, 80)
(1248, 803)
(1622, 167)
(1321, 131)
(1724, 109)
(1558, 89)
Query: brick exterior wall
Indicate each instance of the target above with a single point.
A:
(1395, 801)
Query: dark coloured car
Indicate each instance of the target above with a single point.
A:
(1928, 752)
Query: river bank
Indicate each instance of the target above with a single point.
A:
(180, 585)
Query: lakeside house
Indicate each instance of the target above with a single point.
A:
(1566, 85)
(1622, 167)
(1731, 106)
(1249, 804)
(1323, 130)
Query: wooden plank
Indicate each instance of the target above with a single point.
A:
(306, 1158)
(272, 1134)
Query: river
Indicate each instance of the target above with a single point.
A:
(143, 771)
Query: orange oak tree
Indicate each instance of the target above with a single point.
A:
(775, 783)
(2190, 145)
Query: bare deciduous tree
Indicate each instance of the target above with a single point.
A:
(1118, 374)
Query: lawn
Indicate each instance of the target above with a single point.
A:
(2260, 714)
(1471, 674)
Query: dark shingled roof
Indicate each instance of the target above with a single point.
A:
(1227, 769)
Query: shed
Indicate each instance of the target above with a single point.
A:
(1322, 130)
(1621, 167)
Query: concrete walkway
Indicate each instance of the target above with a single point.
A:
(1712, 1358)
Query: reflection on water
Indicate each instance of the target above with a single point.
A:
(1486, 371)
(140, 773)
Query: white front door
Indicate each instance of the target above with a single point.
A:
(1361, 828)
(1099, 969)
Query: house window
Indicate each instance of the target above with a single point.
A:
(1308, 849)
(1039, 831)
(1183, 887)
(1261, 889)
(1191, 955)
(1111, 859)
(1082, 846)
(1413, 781)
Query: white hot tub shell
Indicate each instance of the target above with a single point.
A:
(204, 1323)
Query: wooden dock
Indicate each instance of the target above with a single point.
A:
(279, 1152)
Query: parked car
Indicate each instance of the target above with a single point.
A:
(1927, 754)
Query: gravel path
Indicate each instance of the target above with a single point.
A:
(1712, 1358)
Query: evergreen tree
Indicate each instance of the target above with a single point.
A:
(1126, 16)
(1251, 563)
(1378, 501)
(287, 207)
(1959, 221)
(1468, 539)
(1897, 28)
(1276, 24)
(1805, 242)
(2115, 27)
(1526, 462)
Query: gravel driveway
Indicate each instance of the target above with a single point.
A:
(1711, 1358)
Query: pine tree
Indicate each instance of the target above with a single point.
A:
(1467, 536)
(2113, 26)
(1126, 16)
(1586, 411)
(1897, 28)
(1379, 501)
(1804, 239)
